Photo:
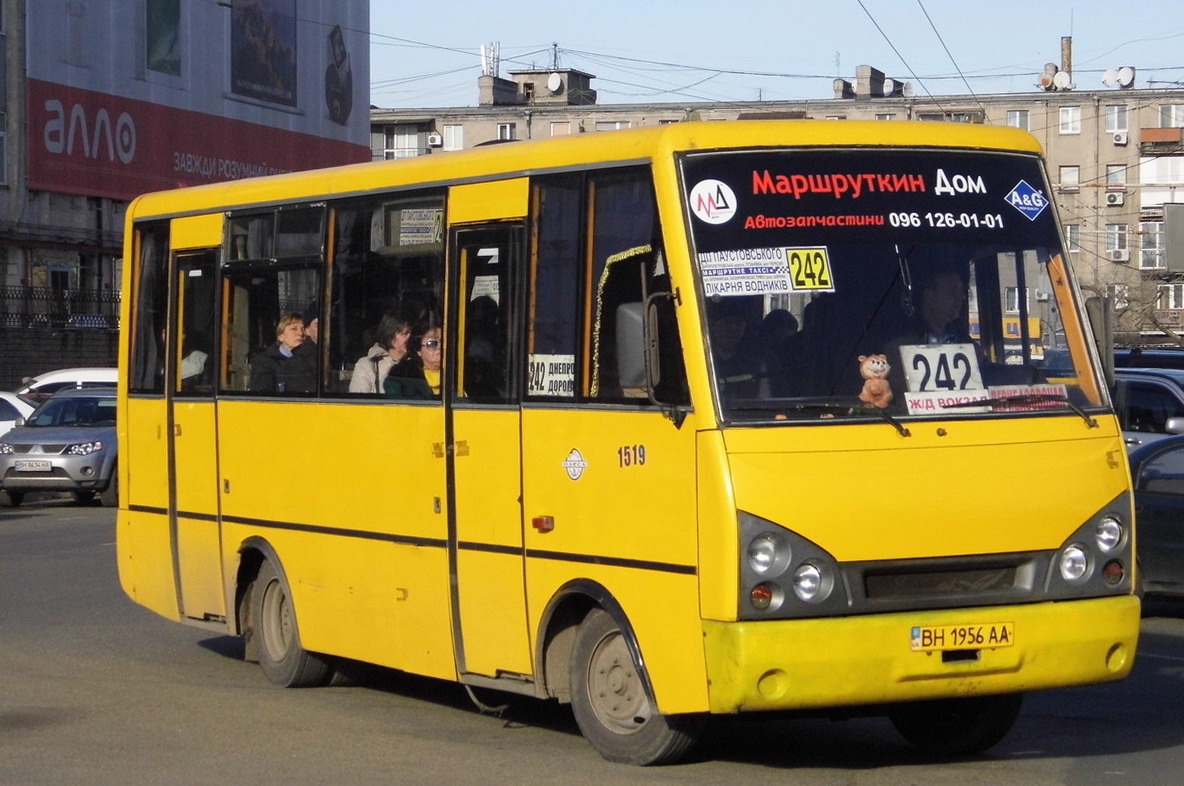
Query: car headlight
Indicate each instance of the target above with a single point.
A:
(84, 448)
(5, 448)
(1109, 533)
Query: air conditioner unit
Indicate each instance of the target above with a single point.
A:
(1120, 138)
(435, 140)
(1042, 297)
(1119, 255)
(1115, 198)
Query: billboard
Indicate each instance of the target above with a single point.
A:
(128, 96)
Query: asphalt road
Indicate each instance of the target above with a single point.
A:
(94, 689)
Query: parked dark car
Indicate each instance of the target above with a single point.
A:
(1149, 403)
(1149, 357)
(67, 444)
(1158, 472)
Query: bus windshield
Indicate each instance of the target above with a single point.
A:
(864, 283)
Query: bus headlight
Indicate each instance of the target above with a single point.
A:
(807, 581)
(1074, 563)
(784, 575)
(768, 554)
(1109, 533)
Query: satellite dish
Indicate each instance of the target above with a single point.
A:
(1046, 77)
(1126, 76)
(1062, 80)
(889, 86)
(907, 90)
(1110, 77)
(555, 83)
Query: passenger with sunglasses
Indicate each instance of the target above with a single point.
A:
(424, 382)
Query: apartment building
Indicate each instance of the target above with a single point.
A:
(1115, 157)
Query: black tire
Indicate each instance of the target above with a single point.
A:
(109, 497)
(957, 727)
(273, 621)
(610, 700)
(84, 497)
(11, 499)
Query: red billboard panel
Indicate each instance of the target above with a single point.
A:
(126, 97)
(82, 142)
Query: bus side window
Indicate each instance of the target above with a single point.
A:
(388, 256)
(257, 301)
(147, 361)
(195, 295)
(596, 250)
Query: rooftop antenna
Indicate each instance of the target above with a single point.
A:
(554, 56)
(490, 59)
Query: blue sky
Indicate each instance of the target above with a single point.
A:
(426, 54)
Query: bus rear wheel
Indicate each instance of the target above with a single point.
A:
(957, 727)
(611, 703)
(283, 660)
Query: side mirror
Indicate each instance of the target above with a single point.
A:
(1101, 321)
(1174, 426)
(631, 346)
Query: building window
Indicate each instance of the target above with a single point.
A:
(1116, 237)
(612, 125)
(1011, 297)
(1171, 116)
(1070, 120)
(1151, 255)
(885, 116)
(932, 117)
(1116, 118)
(1070, 177)
(1073, 237)
(1116, 176)
(1018, 118)
(1169, 296)
(454, 137)
(561, 129)
(507, 131)
(400, 142)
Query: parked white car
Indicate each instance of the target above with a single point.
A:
(12, 407)
(42, 386)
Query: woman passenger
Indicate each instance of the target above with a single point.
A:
(425, 382)
(282, 369)
(389, 350)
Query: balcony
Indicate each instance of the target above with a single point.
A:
(1161, 141)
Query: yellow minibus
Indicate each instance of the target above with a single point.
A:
(663, 423)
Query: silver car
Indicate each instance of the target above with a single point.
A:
(67, 444)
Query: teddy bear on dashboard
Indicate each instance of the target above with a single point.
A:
(876, 390)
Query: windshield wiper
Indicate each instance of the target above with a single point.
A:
(825, 406)
(1027, 399)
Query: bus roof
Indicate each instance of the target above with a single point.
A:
(526, 157)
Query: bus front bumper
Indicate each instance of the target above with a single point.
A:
(850, 661)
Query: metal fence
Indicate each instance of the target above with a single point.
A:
(44, 307)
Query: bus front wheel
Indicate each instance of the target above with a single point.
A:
(611, 703)
(957, 727)
(281, 657)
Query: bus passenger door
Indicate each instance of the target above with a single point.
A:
(486, 537)
(192, 436)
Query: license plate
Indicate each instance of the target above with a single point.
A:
(939, 638)
(32, 465)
